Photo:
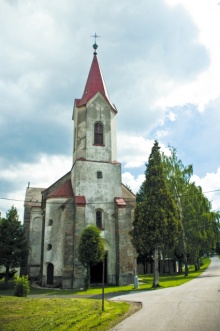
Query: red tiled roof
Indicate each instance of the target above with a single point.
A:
(64, 190)
(120, 202)
(80, 200)
(94, 84)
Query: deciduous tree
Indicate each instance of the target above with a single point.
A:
(199, 222)
(91, 249)
(178, 178)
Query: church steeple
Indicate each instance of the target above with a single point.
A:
(95, 83)
(94, 120)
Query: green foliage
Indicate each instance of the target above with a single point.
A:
(167, 281)
(156, 221)
(199, 223)
(22, 286)
(12, 214)
(75, 314)
(91, 249)
(59, 314)
(13, 244)
(140, 193)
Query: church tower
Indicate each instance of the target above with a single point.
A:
(96, 177)
(90, 193)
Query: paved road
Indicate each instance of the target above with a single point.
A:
(194, 306)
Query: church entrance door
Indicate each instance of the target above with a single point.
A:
(96, 272)
(50, 270)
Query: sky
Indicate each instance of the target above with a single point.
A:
(160, 62)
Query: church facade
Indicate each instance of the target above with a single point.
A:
(90, 193)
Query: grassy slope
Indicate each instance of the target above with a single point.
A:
(58, 314)
(71, 313)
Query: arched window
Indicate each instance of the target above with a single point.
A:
(49, 247)
(50, 271)
(50, 222)
(99, 219)
(98, 134)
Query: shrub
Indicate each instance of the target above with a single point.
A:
(22, 286)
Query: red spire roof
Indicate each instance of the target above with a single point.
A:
(94, 84)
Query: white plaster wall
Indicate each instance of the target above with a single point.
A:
(54, 235)
(100, 194)
(96, 110)
(113, 137)
(85, 181)
(35, 236)
(79, 133)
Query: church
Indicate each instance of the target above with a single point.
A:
(90, 193)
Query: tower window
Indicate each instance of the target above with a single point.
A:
(98, 134)
(99, 221)
(99, 174)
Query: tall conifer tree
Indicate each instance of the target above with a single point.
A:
(13, 244)
(156, 221)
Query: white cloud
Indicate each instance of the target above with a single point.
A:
(210, 184)
(171, 116)
(15, 198)
(132, 182)
(206, 15)
(43, 173)
(162, 133)
(134, 151)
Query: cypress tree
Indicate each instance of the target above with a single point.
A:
(156, 222)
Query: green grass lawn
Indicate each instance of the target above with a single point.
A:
(53, 313)
(59, 314)
(176, 280)
(146, 281)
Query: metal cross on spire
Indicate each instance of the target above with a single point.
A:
(95, 46)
